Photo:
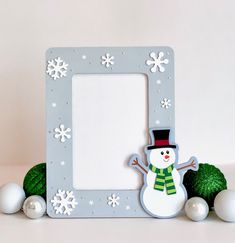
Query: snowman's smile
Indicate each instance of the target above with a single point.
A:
(166, 158)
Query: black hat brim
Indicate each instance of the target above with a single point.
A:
(163, 146)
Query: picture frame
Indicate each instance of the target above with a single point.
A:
(62, 64)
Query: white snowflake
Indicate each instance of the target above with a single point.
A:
(113, 200)
(62, 133)
(57, 68)
(166, 103)
(64, 202)
(157, 62)
(107, 60)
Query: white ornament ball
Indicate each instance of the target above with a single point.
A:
(196, 209)
(11, 198)
(34, 207)
(224, 205)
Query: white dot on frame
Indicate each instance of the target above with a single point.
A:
(83, 57)
(91, 202)
(53, 104)
(127, 207)
(157, 122)
(158, 81)
(62, 163)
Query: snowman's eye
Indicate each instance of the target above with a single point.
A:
(162, 153)
(167, 152)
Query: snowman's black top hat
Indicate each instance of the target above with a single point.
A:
(161, 139)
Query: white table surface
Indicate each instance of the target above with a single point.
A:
(19, 229)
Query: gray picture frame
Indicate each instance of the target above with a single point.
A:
(157, 63)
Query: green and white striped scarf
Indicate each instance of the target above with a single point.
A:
(164, 179)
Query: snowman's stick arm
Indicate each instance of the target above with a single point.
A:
(134, 162)
(193, 164)
(142, 168)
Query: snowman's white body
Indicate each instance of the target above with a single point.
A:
(159, 203)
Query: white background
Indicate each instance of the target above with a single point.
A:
(202, 33)
(110, 123)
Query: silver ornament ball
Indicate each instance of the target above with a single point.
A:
(34, 207)
(196, 209)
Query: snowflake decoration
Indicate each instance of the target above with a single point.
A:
(57, 68)
(113, 200)
(166, 103)
(157, 62)
(64, 202)
(62, 133)
(107, 60)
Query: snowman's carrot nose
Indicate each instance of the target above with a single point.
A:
(167, 156)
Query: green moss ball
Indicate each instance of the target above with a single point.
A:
(35, 181)
(206, 183)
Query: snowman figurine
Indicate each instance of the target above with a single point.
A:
(163, 194)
